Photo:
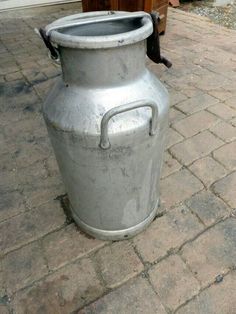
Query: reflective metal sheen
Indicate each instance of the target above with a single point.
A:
(107, 119)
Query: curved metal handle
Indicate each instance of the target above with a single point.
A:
(93, 17)
(104, 139)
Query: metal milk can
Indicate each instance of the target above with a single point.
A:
(107, 119)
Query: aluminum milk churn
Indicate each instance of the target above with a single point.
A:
(107, 119)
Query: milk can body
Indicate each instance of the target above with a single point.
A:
(107, 119)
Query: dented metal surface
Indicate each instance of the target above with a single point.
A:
(107, 121)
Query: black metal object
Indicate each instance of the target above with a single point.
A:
(53, 51)
(153, 44)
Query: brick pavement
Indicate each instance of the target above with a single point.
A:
(185, 261)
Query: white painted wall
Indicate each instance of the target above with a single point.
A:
(13, 4)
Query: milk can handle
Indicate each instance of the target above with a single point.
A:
(104, 139)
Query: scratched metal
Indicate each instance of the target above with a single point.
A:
(107, 119)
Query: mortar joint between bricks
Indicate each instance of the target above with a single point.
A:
(204, 288)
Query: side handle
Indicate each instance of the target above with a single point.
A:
(104, 138)
(153, 44)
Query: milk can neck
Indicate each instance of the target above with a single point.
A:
(103, 67)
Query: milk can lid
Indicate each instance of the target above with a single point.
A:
(101, 29)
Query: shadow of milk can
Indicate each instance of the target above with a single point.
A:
(107, 119)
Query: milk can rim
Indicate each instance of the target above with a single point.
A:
(96, 42)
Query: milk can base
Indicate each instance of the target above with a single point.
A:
(123, 234)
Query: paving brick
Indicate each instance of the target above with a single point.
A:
(33, 175)
(117, 263)
(208, 207)
(213, 252)
(173, 137)
(226, 189)
(35, 197)
(48, 217)
(11, 204)
(28, 226)
(211, 81)
(68, 244)
(225, 131)
(178, 187)
(226, 155)
(197, 103)
(195, 123)
(134, 297)
(43, 88)
(208, 170)
(22, 267)
(34, 76)
(173, 282)
(175, 115)
(192, 91)
(170, 165)
(220, 93)
(9, 181)
(233, 122)
(64, 291)
(176, 97)
(231, 102)
(223, 111)
(167, 233)
(4, 309)
(16, 232)
(14, 76)
(195, 147)
(215, 300)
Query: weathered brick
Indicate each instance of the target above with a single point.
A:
(213, 252)
(231, 102)
(192, 91)
(208, 207)
(176, 97)
(233, 122)
(11, 204)
(220, 93)
(208, 170)
(195, 123)
(14, 76)
(223, 111)
(173, 137)
(16, 231)
(28, 226)
(178, 187)
(211, 81)
(227, 155)
(64, 291)
(66, 245)
(195, 147)
(197, 103)
(170, 165)
(23, 266)
(226, 189)
(136, 296)
(167, 233)
(173, 282)
(34, 76)
(34, 175)
(9, 181)
(117, 263)
(35, 197)
(43, 88)
(217, 299)
(4, 309)
(225, 131)
(48, 217)
(175, 115)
